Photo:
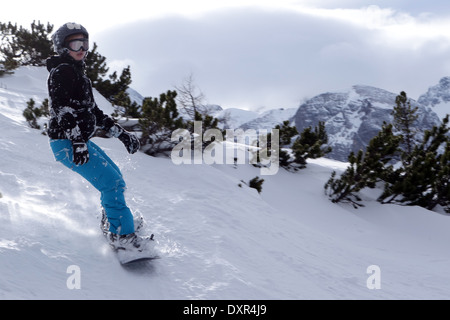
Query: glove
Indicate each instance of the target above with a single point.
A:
(108, 123)
(80, 153)
(130, 141)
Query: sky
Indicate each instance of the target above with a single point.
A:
(262, 54)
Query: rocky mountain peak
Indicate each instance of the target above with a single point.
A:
(437, 94)
(354, 116)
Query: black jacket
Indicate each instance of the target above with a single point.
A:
(74, 115)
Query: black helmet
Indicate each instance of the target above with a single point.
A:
(63, 32)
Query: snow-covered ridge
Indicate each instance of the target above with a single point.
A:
(218, 238)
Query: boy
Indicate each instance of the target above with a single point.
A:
(74, 119)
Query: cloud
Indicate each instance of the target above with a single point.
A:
(249, 57)
(416, 7)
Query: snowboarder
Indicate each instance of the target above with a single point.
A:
(74, 118)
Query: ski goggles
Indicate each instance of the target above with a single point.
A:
(78, 44)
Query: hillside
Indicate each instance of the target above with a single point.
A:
(217, 240)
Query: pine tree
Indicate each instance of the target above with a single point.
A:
(310, 145)
(346, 188)
(9, 49)
(404, 119)
(286, 133)
(256, 183)
(126, 108)
(32, 113)
(365, 169)
(20, 46)
(96, 68)
(423, 181)
(442, 184)
(115, 88)
(207, 122)
(36, 45)
(158, 120)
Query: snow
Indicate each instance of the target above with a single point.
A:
(217, 240)
(237, 117)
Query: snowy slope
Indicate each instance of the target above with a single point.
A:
(217, 240)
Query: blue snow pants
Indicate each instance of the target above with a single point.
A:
(105, 176)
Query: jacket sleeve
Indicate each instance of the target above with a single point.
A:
(62, 82)
(103, 121)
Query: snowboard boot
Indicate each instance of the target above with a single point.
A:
(132, 247)
(130, 242)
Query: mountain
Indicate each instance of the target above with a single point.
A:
(269, 119)
(236, 117)
(438, 97)
(354, 116)
(218, 239)
(244, 119)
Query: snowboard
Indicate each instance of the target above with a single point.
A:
(127, 257)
